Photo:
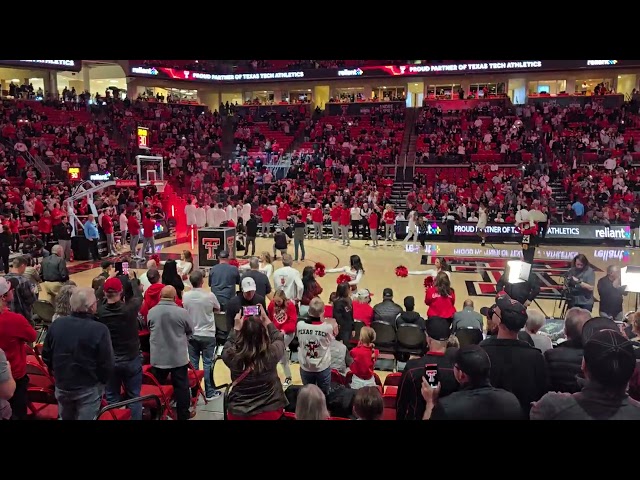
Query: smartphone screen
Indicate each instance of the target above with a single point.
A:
(431, 374)
(251, 310)
(125, 268)
(118, 267)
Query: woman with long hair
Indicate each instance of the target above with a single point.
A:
(440, 298)
(441, 266)
(185, 266)
(311, 289)
(171, 277)
(62, 305)
(252, 352)
(283, 315)
(343, 312)
(355, 270)
(311, 404)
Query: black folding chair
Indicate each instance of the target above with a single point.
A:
(411, 340)
(220, 319)
(44, 311)
(469, 336)
(109, 408)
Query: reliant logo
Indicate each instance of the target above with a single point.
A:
(599, 63)
(623, 233)
(100, 177)
(144, 71)
(350, 72)
(605, 255)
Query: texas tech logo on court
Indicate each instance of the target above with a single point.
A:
(211, 245)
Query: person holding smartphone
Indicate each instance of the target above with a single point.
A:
(252, 352)
(247, 298)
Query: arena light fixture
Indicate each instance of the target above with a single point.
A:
(519, 271)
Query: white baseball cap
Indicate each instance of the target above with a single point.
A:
(5, 286)
(248, 284)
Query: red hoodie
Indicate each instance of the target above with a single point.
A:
(317, 215)
(15, 333)
(440, 306)
(152, 298)
(364, 358)
(284, 320)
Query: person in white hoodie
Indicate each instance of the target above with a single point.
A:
(246, 212)
(219, 215)
(232, 213)
(190, 213)
(124, 226)
(288, 279)
(200, 303)
(211, 210)
(201, 217)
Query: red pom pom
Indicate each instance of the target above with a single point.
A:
(156, 257)
(319, 269)
(344, 278)
(234, 262)
(402, 271)
(428, 282)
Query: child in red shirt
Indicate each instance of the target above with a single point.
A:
(282, 312)
(364, 358)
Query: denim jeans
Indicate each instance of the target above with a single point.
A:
(205, 346)
(129, 374)
(321, 379)
(82, 404)
(298, 244)
(146, 243)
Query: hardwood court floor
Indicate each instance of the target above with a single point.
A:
(475, 271)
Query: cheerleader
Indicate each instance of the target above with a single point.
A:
(354, 270)
(412, 230)
(441, 266)
(266, 264)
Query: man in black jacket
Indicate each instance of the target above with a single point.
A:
(476, 399)
(564, 362)
(78, 352)
(611, 292)
(387, 310)
(122, 320)
(516, 366)
(410, 404)
(252, 233)
(523, 292)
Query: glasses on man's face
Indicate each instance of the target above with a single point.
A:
(491, 312)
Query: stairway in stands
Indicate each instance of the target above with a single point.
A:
(228, 128)
(411, 138)
(559, 194)
(402, 185)
(404, 166)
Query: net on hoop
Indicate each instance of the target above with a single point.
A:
(150, 169)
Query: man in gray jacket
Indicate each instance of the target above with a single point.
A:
(170, 327)
(467, 317)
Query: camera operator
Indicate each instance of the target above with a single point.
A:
(524, 292)
(611, 292)
(579, 283)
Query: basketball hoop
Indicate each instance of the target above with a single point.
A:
(159, 186)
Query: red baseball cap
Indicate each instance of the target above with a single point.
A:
(112, 284)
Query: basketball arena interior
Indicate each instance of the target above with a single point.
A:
(319, 240)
